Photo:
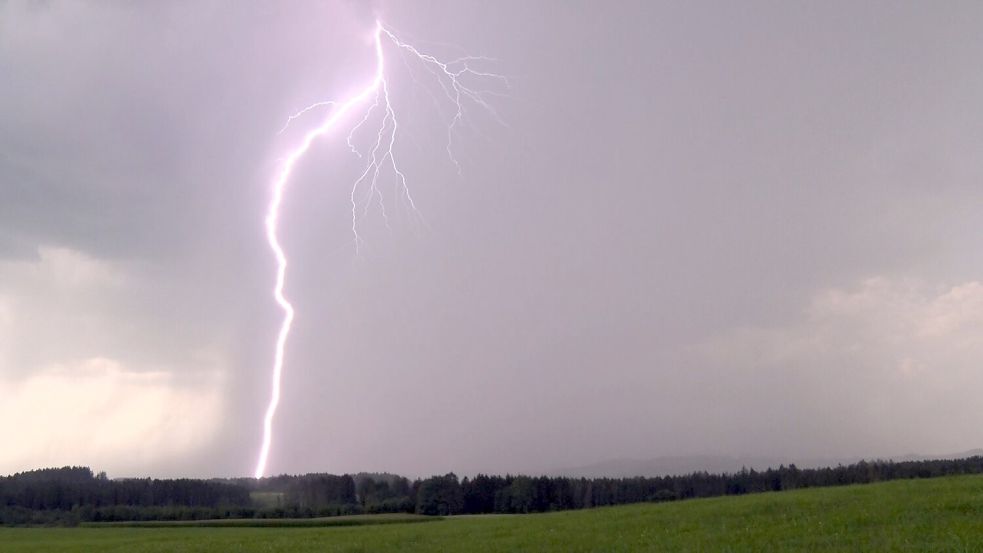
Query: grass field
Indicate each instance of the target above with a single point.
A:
(944, 514)
(350, 520)
(266, 500)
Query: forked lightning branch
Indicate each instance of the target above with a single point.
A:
(455, 82)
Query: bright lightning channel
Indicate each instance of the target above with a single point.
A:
(379, 157)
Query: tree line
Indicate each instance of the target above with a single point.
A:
(70, 495)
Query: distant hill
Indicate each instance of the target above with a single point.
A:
(675, 465)
(961, 455)
(687, 464)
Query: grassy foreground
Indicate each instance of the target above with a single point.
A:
(943, 514)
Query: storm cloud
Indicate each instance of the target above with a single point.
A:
(705, 228)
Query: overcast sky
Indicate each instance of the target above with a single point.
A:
(706, 228)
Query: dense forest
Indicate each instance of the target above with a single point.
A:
(70, 495)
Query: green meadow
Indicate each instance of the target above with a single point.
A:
(941, 514)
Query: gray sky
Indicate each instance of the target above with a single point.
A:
(741, 229)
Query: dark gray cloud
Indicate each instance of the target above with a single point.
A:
(677, 184)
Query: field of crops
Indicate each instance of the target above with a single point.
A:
(943, 514)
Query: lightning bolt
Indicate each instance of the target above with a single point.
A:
(450, 77)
